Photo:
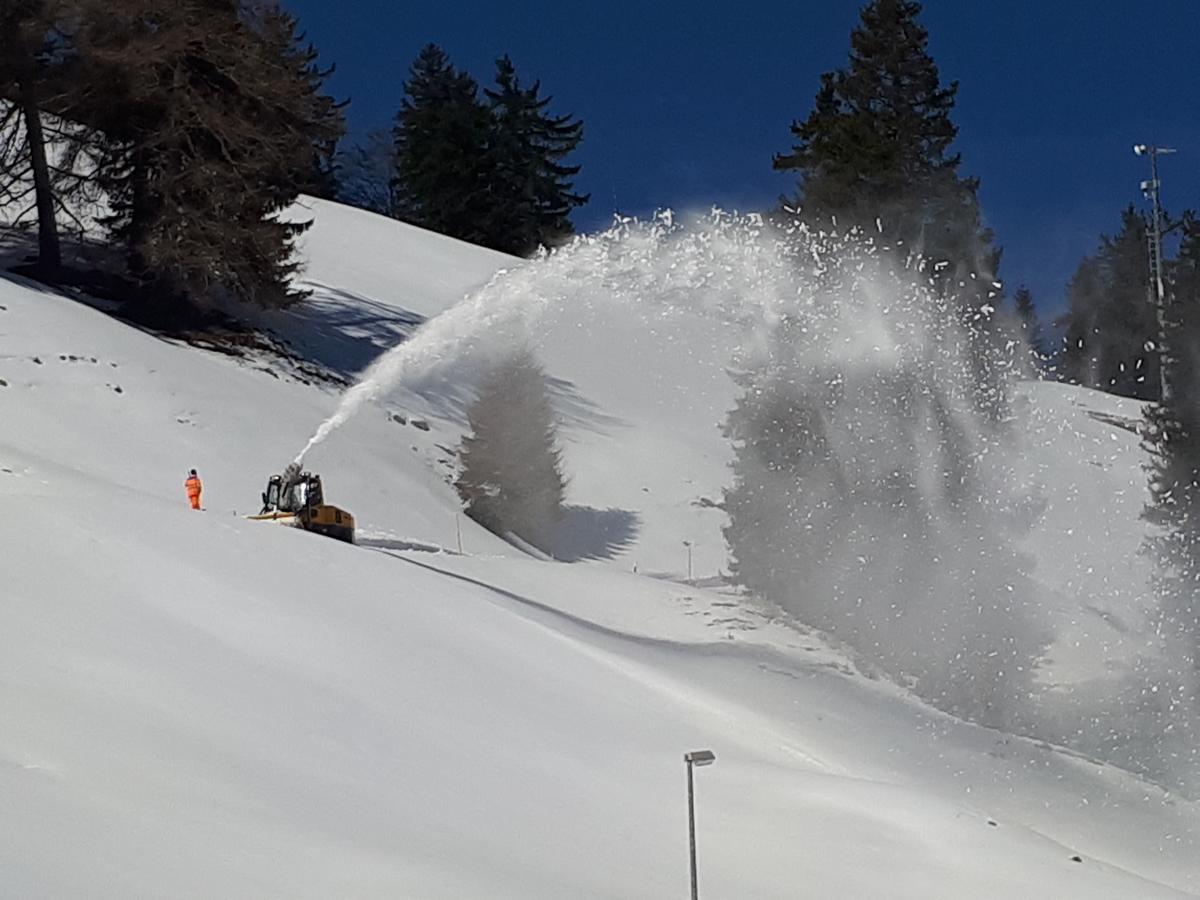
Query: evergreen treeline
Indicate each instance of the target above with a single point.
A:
(1111, 324)
(1173, 439)
(875, 154)
(853, 472)
(198, 120)
(36, 73)
(486, 166)
(1030, 325)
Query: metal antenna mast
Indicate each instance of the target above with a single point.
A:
(1151, 190)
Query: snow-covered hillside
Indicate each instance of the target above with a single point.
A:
(193, 705)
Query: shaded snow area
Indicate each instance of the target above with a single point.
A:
(194, 705)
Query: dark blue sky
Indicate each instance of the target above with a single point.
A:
(684, 103)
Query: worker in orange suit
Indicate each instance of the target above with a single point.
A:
(194, 487)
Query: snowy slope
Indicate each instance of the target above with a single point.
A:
(195, 705)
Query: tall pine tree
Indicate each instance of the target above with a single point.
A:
(1174, 443)
(1111, 322)
(488, 170)
(530, 196)
(441, 137)
(40, 137)
(216, 119)
(24, 24)
(1030, 326)
(875, 153)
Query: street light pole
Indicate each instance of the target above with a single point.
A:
(688, 544)
(1151, 190)
(694, 758)
(692, 831)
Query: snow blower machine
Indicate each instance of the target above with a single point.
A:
(296, 498)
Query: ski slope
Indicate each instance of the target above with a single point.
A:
(197, 705)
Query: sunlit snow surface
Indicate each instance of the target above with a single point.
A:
(195, 705)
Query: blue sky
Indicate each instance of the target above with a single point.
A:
(684, 103)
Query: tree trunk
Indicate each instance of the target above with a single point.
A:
(49, 253)
(139, 217)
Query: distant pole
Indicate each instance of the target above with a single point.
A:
(688, 544)
(458, 531)
(1152, 190)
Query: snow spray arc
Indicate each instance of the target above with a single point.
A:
(724, 264)
(873, 372)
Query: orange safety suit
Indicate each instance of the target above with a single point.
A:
(194, 487)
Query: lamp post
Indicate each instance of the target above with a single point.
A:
(688, 544)
(1151, 191)
(695, 758)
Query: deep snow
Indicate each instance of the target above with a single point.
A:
(196, 705)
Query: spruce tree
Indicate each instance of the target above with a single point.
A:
(441, 138)
(24, 24)
(1111, 320)
(1030, 326)
(1084, 291)
(38, 145)
(215, 116)
(511, 470)
(530, 195)
(1173, 439)
(875, 154)
(309, 116)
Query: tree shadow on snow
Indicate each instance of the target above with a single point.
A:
(345, 332)
(16, 247)
(341, 330)
(584, 532)
(577, 411)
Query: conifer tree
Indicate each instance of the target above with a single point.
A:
(215, 118)
(530, 195)
(41, 135)
(488, 170)
(1111, 320)
(875, 153)
(1031, 326)
(24, 24)
(1174, 509)
(511, 469)
(310, 116)
(1084, 292)
(441, 136)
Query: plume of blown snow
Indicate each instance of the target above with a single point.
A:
(873, 494)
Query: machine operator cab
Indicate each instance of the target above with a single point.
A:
(297, 498)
